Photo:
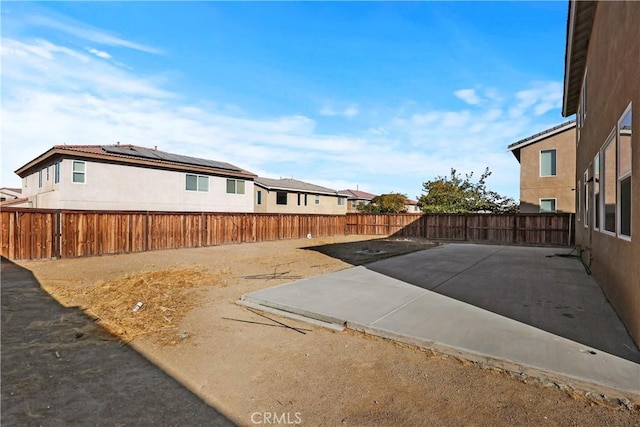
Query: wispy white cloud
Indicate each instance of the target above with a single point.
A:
(468, 95)
(99, 53)
(348, 112)
(86, 32)
(541, 98)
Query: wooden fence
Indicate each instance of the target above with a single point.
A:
(524, 229)
(40, 234)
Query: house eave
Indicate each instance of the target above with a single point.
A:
(516, 146)
(579, 24)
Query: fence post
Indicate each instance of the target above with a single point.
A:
(57, 233)
(466, 227)
(147, 240)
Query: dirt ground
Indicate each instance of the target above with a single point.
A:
(262, 373)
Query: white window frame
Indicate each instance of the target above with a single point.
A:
(597, 214)
(198, 187)
(611, 139)
(259, 197)
(236, 186)
(555, 155)
(40, 178)
(56, 172)
(74, 172)
(555, 204)
(317, 199)
(286, 198)
(585, 201)
(579, 199)
(621, 177)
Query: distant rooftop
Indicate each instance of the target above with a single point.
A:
(293, 185)
(127, 153)
(516, 146)
(357, 194)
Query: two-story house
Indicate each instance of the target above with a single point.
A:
(602, 88)
(547, 169)
(129, 177)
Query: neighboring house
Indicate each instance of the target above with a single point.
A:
(356, 198)
(10, 194)
(547, 169)
(411, 206)
(601, 86)
(128, 177)
(293, 196)
(12, 197)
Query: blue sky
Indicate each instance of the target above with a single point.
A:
(377, 95)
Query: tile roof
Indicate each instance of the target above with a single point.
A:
(292, 184)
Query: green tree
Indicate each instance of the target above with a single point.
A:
(455, 194)
(385, 203)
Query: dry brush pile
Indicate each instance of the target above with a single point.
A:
(149, 303)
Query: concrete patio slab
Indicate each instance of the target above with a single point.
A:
(522, 309)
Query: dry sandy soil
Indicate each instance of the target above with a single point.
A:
(258, 373)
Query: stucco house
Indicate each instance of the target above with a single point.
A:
(601, 86)
(411, 206)
(547, 169)
(129, 177)
(8, 194)
(356, 198)
(292, 196)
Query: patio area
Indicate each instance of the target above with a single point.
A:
(528, 310)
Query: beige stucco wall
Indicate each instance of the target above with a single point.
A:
(328, 204)
(116, 187)
(612, 83)
(534, 187)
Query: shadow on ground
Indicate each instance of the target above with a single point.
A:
(60, 368)
(367, 251)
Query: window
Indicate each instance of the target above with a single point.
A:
(197, 182)
(608, 185)
(317, 199)
(581, 114)
(585, 212)
(259, 197)
(547, 205)
(79, 171)
(235, 186)
(299, 199)
(548, 163)
(624, 174)
(40, 178)
(596, 192)
(281, 198)
(341, 201)
(579, 201)
(47, 173)
(56, 172)
(305, 199)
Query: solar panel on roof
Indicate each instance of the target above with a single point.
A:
(147, 153)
